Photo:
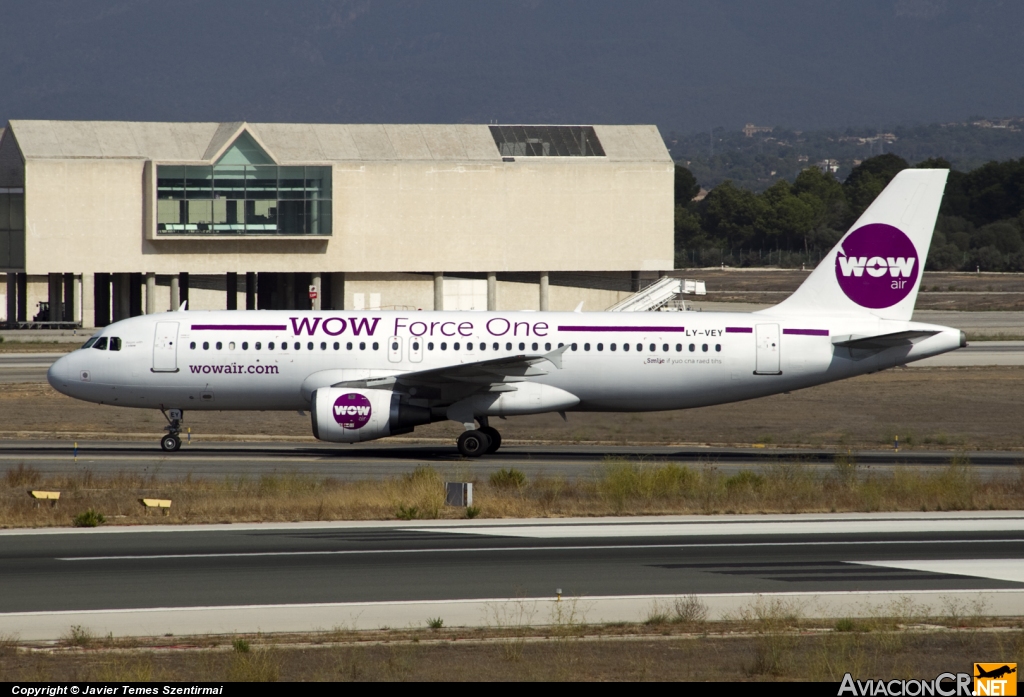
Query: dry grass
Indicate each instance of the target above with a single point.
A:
(771, 643)
(618, 487)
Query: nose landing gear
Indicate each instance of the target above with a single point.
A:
(172, 441)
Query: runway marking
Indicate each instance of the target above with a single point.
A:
(996, 569)
(564, 548)
(796, 527)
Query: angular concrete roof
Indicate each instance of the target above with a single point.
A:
(299, 143)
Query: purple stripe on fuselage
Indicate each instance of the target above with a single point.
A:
(240, 327)
(588, 328)
(806, 332)
(739, 330)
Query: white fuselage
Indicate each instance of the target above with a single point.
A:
(245, 360)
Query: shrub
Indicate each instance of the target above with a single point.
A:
(472, 511)
(407, 513)
(89, 519)
(508, 479)
(435, 622)
(240, 646)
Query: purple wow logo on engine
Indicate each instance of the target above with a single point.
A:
(352, 410)
(877, 266)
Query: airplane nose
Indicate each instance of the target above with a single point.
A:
(57, 374)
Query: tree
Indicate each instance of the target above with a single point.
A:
(686, 186)
(733, 215)
(868, 179)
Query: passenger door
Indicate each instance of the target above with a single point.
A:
(416, 349)
(767, 350)
(395, 349)
(165, 347)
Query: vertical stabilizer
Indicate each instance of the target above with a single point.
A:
(877, 267)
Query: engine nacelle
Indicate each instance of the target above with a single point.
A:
(351, 415)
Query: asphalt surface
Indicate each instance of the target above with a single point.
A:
(388, 459)
(250, 565)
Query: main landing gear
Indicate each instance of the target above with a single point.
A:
(482, 441)
(172, 441)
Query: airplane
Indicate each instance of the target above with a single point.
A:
(369, 375)
(994, 673)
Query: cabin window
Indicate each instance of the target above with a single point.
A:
(469, 346)
(600, 347)
(704, 348)
(534, 346)
(430, 345)
(192, 345)
(625, 347)
(444, 345)
(218, 346)
(336, 346)
(508, 346)
(495, 346)
(586, 347)
(639, 347)
(522, 346)
(206, 345)
(231, 346)
(310, 346)
(455, 346)
(692, 348)
(664, 347)
(547, 347)
(718, 347)
(245, 345)
(415, 346)
(375, 346)
(679, 347)
(298, 346)
(574, 347)
(270, 346)
(259, 346)
(348, 346)
(362, 345)
(612, 347)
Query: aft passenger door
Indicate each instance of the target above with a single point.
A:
(165, 347)
(767, 350)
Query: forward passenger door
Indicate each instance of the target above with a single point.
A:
(165, 347)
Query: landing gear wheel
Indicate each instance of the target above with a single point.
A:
(170, 443)
(473, 443)
(495, 437)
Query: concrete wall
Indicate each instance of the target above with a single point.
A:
(569, 214)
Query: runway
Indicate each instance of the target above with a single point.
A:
(388, 458)
(245, 574)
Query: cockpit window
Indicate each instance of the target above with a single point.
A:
(115, 343)
(90, 342)
(101, 343)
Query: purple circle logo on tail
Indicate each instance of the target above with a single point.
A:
(352, 410)
(877, 265)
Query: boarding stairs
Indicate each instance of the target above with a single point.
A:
(664, 295)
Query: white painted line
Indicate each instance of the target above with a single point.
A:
(568, 548)
(486, 612)
(718, 528)
(997, 569)
(751, 524)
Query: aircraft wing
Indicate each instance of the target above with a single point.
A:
(453, 382)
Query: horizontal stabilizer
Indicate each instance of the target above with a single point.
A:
(882, 341)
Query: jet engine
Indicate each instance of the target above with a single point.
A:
(342, 415)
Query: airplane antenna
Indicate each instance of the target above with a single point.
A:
(183, 304)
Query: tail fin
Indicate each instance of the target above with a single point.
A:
(877, 267)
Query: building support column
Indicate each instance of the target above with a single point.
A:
(634, 281)
(231, 290)
(338, 290)
(174, 303)
(318, 283)
(183, 289)
(87, 302)
(492, 291)
(150, 293)
(22, 281)
(543, 291)
(56, 297)
(101, 298)
(12, 298)
(67, 310)
(289, 291)
(438, 291)
(250, 290)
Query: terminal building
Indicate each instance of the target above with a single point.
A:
(100, 221)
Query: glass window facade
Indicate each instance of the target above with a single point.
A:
(12, 228)
(236, 199)
(547, 141)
